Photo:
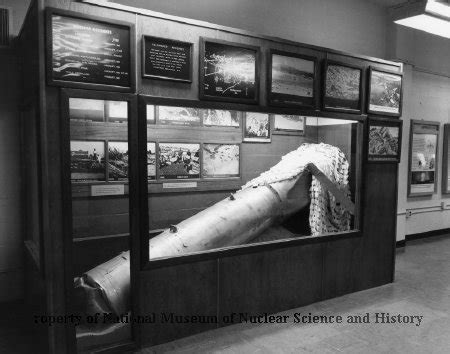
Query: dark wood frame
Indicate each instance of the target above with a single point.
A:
(387, 122)
(328, 62)
(87, 85)
(369, 92)
(257, 140)
(422, 122)
(288, 131)
(65, 94)
(277, 99)
(445, 162)
(171, 41)
(203, 95)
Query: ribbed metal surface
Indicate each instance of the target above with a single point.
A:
(4, 27)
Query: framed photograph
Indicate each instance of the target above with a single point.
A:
(86, 110)
(178, 115)
(166, 59)
(221, 118)
(423, 145)
(150, 113)
(85, 51)
(116, 111)
(256, 127)
(229, 71)
(220, 160)
(445, 161)
(292, 79)
(288, 124)
(385, 92)
(342, 88)
(384, 139)
(151, 161)
(117, 160)
(178, 161)
(87, 161)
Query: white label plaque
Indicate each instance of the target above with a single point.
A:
(180, 185)
(107, 189)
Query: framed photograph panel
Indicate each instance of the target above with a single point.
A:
(86, 109)
(384, 139)
(220, 160)
(117, 161)
(292, 79)
(116, 111)
(385, 92)
(221, 118)
(87, 161)
(342, 87)
(256, 127)
(178, 160)
(229, 71)
(85, 51)
(287, 124)
(423, 145)
(445, 161)
(166, 59)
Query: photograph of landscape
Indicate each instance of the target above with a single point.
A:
(292, 79)
(229, 71)
(117, 111)
(383, 141)
(87, 161)
(257, 127)
(220, 117)
(220, 160)
(150, 109)
(179, 161)
(342, 87)
(178, 115)
(84, 109)
(289, 122)
(117, 161)
(385, 92)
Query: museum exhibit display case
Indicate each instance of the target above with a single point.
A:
(181, 170)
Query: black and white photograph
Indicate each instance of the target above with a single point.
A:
(87, 161)
(116, 111)
(178, 115)
(292, 79)
(220, 160)
(289, 123)
(117, 160)
(151, 160)
(383, 142)
(229, 71)
(87, 110)
(342, 88)
(385, 92)
(150, 113)
(178, 161)
(221, 118)
(257, 127)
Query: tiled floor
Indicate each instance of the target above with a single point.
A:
(421, 288)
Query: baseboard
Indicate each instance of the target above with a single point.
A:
(427, 234)
(400, 244)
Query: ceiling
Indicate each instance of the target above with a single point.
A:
(388, 3)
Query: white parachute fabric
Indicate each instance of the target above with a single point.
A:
(326, 215)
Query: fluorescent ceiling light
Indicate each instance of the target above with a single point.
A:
(428, 24)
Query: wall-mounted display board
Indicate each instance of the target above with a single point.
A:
(89, 52)
(166, 59)
(385, 92)
(342, 87)
(292, 79)
(445, 161)
(229, 71)
(423, 145)
(384, 140)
